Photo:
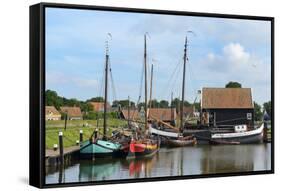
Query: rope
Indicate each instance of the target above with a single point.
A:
(176, 83)
(141, 84)
(101, 89)
(170, 80)
(112, 83)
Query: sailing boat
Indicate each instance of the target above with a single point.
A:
(180, 140)
(174, 137)
(144, 147)
(96, 147)
(238, 133)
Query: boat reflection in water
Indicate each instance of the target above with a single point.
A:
(201, 159)
(140, 168)
(229, 158)
(97, 170)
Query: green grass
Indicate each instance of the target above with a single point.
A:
(71, 134)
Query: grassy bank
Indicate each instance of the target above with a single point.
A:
(71, 134)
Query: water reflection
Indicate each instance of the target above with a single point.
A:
(97, 170)
(202, 159)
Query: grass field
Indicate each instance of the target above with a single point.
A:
(71, 134)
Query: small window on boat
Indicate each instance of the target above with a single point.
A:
(249, 116)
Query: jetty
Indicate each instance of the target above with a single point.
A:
(53, 157)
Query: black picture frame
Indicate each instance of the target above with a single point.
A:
(37, 93)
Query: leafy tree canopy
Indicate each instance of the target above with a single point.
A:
(163, 104)
(123, 103)
(258, 112)
(96, 99)
(267, 107)
(233, 85)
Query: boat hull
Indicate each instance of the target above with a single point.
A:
(216, 136)
(139, 150)
(99, 149)
(203, 137)
(181, 143)
(251, 139)
(122, 152)
(246, 137)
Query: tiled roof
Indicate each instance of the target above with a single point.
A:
(72, 111)
(134, 114)
(163, 114)
(99, 106)
(51, 110)
(227, 98)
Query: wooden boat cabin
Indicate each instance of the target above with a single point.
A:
(223, 107)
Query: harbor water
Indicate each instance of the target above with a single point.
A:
(194, 160)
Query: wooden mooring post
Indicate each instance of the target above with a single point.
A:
(266, 132)
(61, 147)
(81, 136)
(62, 156)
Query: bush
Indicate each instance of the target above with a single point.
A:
(93, 115)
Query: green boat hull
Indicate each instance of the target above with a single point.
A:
(99, 149)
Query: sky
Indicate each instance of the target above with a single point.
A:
(220, 50)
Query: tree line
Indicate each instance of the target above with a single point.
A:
(53, 99)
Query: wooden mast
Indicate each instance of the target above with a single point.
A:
(183, 86)
(105, 91)
(151, 79)
(129, 107)
(145, 84)
(172, 123)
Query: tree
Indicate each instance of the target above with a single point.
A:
(267, 107)
(186, 104)
(176, 104)
(258, 112)
(52, 99)
(86, 107)
(91, 115)
(233, 85)
(197, 106)
(96, 99)
(163, 104)
(115, 103)
(140, 105)
(154, 103)
(72, 102)
(123, 103)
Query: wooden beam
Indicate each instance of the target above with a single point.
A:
(164, 123)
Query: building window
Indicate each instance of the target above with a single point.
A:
(249, 116)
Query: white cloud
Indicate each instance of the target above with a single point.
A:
(235, 63)
(236, 54)
(223, 50)
(234, 59)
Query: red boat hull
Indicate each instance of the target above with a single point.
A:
(142, 149)
(137, 147)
